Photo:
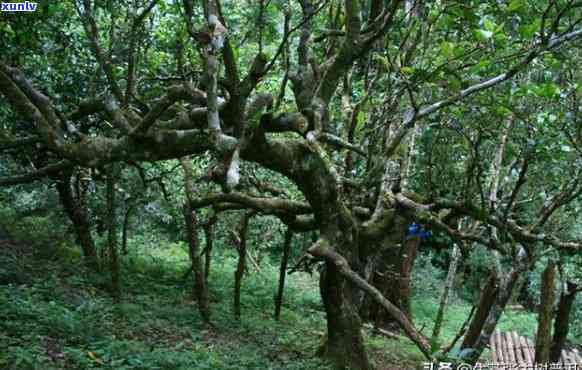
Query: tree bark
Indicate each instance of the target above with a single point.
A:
(548, 296)
(486, 301)
(562, 322)
(76, 212)
(112, 235)
(445, 296)
(283, 273)
(241, 246)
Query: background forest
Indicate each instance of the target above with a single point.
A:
(288, 184)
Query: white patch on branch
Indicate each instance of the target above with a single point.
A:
(233, 173)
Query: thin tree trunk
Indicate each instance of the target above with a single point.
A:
(199, 289)
(125, 232)
(283, 272)
(240, 267)
(445, 296)
(496, 180)
(548, 296)
(461, 332)
(408, 256)
(209, 237)
(78, 216)
(562, 322)
(486, 301)
(112, 236)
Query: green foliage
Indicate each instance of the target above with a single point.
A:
(427, 278)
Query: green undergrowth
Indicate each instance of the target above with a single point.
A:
(55, 314)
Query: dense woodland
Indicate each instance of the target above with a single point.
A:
(288, 184)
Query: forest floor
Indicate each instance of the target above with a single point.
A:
(55, 314)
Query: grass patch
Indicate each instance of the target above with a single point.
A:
(57, 315)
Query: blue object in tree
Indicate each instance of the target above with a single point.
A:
(413, 229)
(424, 235)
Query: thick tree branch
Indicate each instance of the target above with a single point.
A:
(51, 169)
(262, 204)
(50, 134)
(18, 142)
(340, 143)
(174, 94)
